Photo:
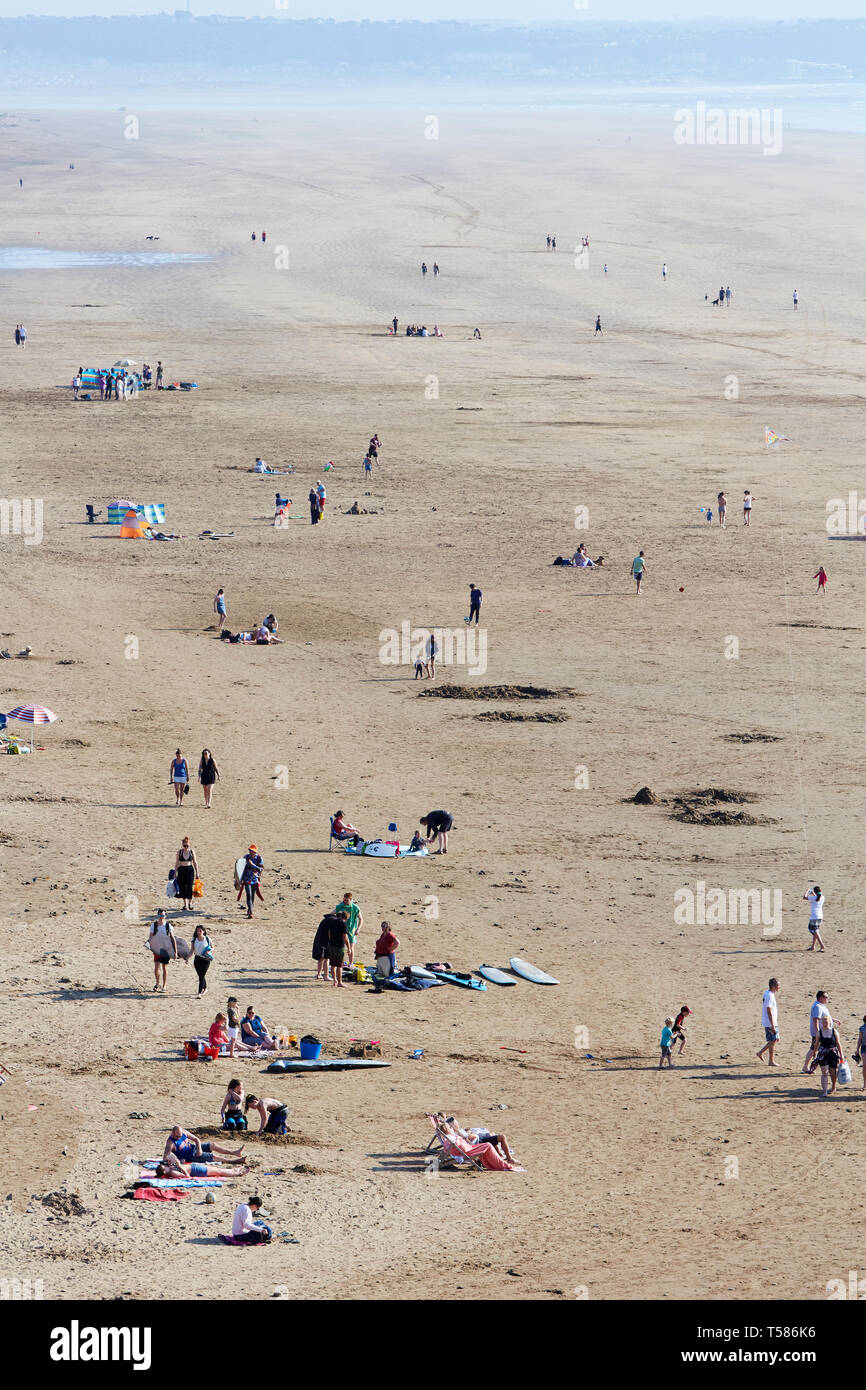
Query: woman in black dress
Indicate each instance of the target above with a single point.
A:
(208, 773)
(186, 873)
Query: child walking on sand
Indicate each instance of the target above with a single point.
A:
(821, 577)
(679, 1032)
(667, 1035)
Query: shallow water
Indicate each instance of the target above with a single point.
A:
(50, 258)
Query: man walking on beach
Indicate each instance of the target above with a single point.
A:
(770, 1020)
(815, 898)
(394, 325)
(818, 1011)
(475, 597)
(598, 327)
(159, 376)
(638, 570)
(796, 299)
(664, 270)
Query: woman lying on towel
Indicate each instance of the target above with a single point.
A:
(173, 1168)
(485, 1153)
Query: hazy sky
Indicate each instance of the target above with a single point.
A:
(514, 10)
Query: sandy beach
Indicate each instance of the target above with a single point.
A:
(488, 448)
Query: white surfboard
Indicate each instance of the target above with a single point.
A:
(530, 972)
(421, 972)
(240, 865)
(384, 849)
(183, 946)
(496, 977)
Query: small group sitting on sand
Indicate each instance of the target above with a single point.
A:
(263, 636)
(580, 560)
(490, 1150)
(185, 1156)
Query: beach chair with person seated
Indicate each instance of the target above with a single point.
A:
(340, 836)
(452, 1155)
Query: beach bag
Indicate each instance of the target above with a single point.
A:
(190, 1051)
(198, 889)
(843, 1075)
(186, 789)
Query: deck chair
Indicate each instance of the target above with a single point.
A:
(91, 514)
(452, 1156)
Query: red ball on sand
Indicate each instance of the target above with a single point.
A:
(682, 590)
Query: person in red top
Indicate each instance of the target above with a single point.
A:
(821, 577)
(386, 950)
(678, 1029)
(343, 829)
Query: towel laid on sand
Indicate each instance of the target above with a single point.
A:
(151, 1194)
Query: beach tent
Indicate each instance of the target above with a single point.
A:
(153, 513)
(133, 527)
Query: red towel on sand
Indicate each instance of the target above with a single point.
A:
(156, 1194)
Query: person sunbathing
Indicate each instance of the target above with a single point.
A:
(264, 636)
(485, 1153)
(479, 1134)
(187, 1147)
(173, 1168)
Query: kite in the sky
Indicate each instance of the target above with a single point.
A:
(771, 438)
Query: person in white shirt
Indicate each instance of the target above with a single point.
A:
(245, 1229)
(817, 1013)
(770, 1020)
(816, 915)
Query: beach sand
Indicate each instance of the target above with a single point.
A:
(487, 449)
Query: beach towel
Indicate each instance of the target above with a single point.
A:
(151, 1194)
(179, 1182)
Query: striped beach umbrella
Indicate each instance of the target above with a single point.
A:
(32, 714)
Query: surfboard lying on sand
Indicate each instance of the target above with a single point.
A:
(385, 849)
(452, 977)
(529, 972)
(421, 972)
(496, 977)
(325, 1064)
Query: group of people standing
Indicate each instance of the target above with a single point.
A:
(20, 335)
(318, 498)
(336, 937)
